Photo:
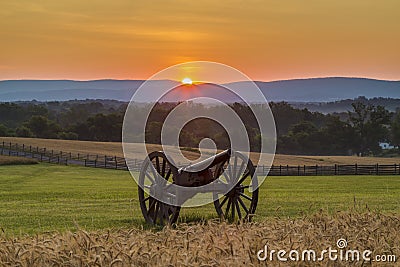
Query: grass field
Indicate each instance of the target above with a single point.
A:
(115, 149)
(45, 197)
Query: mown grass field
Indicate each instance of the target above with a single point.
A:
(44, 197)
(115, 149)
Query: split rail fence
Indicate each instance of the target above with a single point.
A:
(119, 163)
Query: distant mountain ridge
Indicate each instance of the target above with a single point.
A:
(299, 90)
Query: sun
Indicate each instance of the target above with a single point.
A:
(187, 81)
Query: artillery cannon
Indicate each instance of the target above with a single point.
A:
(228, 176)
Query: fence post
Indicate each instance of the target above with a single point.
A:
(377, 169)
(85, 163)
(280, 170)
(316, 169)
(116, 163)
(105, 161)
(356, 169)
(298, 170)
(335, 169)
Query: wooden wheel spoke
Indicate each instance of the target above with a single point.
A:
(151, 178)
(156, 212)
(228, 207)
(230, 172)
(170, 210)
(152, 203)
(243, 205)
(164, 164)
(155, 174)
(168, 174)
(238, 209)
(241, 167)
(224, 172)
(223, 201)
(245, 175)
(246, 196)
(243, 186)
(158, 164)
(162, 213)
(145, 199)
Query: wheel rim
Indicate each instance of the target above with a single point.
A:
(154, 176)
(240, 202)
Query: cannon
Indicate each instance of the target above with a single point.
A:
(229, 174)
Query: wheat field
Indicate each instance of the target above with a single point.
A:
(209, 243)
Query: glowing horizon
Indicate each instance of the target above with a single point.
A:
(267, 40)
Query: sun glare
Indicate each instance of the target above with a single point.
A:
(187, 81)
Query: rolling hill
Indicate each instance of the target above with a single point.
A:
(303, 90)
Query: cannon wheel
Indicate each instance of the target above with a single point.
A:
(154, 211)
(240, 202)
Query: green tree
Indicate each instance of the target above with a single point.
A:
(301, 139)
(23, 131)
(67, 135)
(370, 127)
(395, 130)
(336, 137)
(4, 131)
(42, 127)
(105, 127)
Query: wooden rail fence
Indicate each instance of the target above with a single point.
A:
(119, 163)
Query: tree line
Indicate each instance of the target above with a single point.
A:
(299, 131)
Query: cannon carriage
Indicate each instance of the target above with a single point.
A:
(229, 176)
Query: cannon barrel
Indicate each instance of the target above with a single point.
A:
(210, 162)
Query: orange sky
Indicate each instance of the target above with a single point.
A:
(267, 40)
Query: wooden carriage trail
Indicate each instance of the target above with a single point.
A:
(119, 163)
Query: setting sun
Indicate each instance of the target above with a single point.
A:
(187, 81)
